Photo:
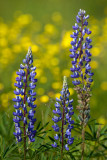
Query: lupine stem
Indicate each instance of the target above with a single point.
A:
(82, 70)
(83, 143)
(83, 128)
(64, 113)
(23, 99)
(63, 130)
(25, 116)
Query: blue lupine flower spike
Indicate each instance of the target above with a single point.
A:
(81, 70)
(25, 96)
(63, 119)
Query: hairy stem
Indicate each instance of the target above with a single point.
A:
(25, 116)
(62, 130)
(83, 142)
(83, 125)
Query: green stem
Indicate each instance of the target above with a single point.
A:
(25, 116)
(83, 142)
(63, 131)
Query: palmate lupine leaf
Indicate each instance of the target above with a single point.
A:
(43, 127)
(95, 134)
(38, 146)
(6, 150)
(5, 125)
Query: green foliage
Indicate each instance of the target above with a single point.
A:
(41, 149)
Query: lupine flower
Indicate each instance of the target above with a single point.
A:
(62, 119)
(24, 118)
(81, 69)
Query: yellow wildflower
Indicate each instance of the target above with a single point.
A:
(43, 79)
(66, 72)
(104, 85)
(50, 29)
(71, 91)
(3, 29)
(102, 120)
(94, 64)
(24, 19)
(56, 85)
(66, 39)
(1, 86)
(56, 17)
(44, 99)
(95, 51)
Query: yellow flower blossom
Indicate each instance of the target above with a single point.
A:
(102, 120)
(4, 100)
(37, 62)
(66, 72)
(95, 51)
(57, 95)
(66, 39)
(24, 19)
(56, 70)
(104, 85)
(6, 56)
(71, 91)
(39, 72)
(43, 79)
(16, 48)
(25, 42)
(35, 48)
(94, 64)
(95, 29)
(56, 85)
(3, 42)
(50, 29)
(52, 48)
(44, 99)
(42, 39)
(57, 18)
(3, 29)
(7, 53)
(54, 61)
(1, 86)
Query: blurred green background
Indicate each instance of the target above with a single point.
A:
(46, 25)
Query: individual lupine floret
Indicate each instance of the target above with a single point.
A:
(81, 69)
(63, 119)
(25, 96)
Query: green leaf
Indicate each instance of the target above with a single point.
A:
(51, 139)
(43, 127)
(38, 125)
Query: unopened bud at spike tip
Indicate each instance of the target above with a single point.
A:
(64, 81)
(29, 50)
